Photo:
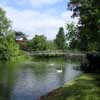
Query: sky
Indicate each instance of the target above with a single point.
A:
(43, 17)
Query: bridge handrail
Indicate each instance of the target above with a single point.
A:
(55, 51)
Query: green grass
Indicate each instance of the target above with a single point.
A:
(2, 98)
(86, 87)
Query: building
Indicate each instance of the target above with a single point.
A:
(21, 40)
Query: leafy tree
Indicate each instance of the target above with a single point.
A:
(5, 24)
(51, 45)
(72, 36)
(89, 20)
(39, 42)
(60, 39)
(29, 45)
(9, 50)
(46, 45)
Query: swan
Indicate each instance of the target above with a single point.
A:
(59, 71)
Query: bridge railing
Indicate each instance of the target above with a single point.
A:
(55, 52)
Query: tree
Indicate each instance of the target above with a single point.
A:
(60, 39)
(39, 42)
(51, 45)
(89, 22)
(72, 36)
(9, 50)
(5, 24)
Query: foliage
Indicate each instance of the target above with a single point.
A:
(88, 30)
(9, 50)
(38, 42)
(93, 46)
(72, 36)
(41, 43)
(60, 39)
(91, 64)
(29, 45)
(5, 26)
(51, 45)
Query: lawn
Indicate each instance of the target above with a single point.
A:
(86, 87)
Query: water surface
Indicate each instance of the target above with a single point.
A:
(34, 79)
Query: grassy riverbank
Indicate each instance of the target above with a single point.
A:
(86, 87)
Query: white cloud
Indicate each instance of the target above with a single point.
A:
(67, 17)
(33, 22)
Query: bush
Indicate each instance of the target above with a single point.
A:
(9, 50)
(92, 64)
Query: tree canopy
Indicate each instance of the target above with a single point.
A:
(60, 39)
(9, 50)
(89, 22)
(38, 42)
(72, 36)
(5, 23)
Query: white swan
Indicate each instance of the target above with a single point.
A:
(59, 71)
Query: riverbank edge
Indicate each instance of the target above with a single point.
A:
(85, 87)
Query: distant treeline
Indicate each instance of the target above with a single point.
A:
(63, 41)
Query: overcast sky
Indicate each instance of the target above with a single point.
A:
(37, 16)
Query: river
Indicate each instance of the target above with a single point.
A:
(30, 80)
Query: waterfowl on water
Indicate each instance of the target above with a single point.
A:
(60, 70)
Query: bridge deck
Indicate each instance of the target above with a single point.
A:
(55, 53)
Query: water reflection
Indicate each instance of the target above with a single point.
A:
(6, 80)
(34, 79)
